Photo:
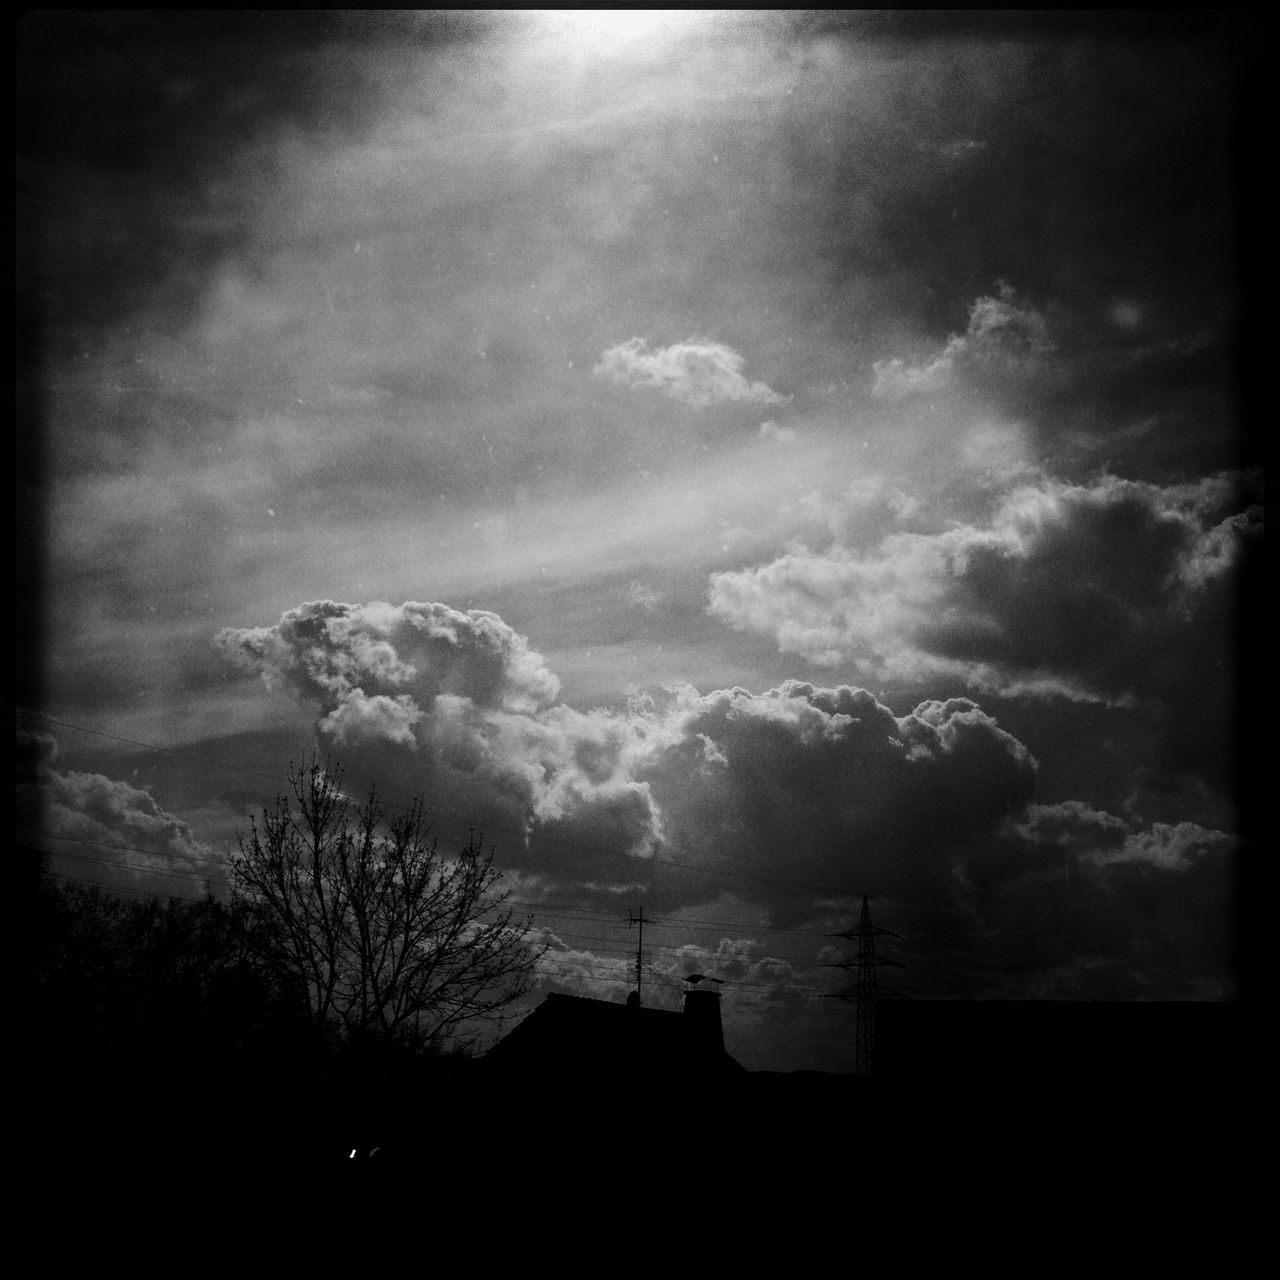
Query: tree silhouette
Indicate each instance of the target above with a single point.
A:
(387, 937)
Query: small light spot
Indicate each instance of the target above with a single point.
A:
(1126, 315)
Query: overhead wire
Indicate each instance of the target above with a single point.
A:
(547, 911)
(210, 881)
(485, 827)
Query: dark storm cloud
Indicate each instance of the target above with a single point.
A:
(1091, 592)
(141, 155)
(1079, 903)
(102, 830)
(776, 793)
(826, 787)
(324, 300)
(823, 786)
(792, 797)
(1104, 177)
(1104, 168)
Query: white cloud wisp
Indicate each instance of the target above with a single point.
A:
(697, 372)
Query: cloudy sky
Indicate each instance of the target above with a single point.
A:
(737, 462)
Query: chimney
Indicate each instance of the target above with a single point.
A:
(702, 1016)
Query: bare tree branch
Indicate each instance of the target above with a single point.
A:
(387, 935)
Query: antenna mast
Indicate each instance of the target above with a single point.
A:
(634, 920)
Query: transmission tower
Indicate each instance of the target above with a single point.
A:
(866, 989)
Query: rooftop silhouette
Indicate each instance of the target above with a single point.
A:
(578, 1037)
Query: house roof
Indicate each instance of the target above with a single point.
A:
(570, 1035)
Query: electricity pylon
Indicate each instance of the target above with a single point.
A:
(866, 988)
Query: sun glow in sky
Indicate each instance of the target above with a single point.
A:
(620, 26)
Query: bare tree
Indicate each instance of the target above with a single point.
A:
(386, 935)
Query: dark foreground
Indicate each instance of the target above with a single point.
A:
(1141, 1135)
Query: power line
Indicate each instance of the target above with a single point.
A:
(586, 970)
(602, 914)
(133, 866)
(528, 837)
(116, 888)
(621, 974)
(147, 746)
(27, 833)
(808, 961)
(538, 910)
(209, 880)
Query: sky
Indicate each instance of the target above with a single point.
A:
(735, 461)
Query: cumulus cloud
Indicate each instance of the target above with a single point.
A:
(864, 508)
(1005, 336)
(1084, 591)
(103, 830)
(457, 703)
(826, 786)
(769, 1007)
(795, 797)
(359, 716)
(697, 372)
(576, 971)
(460, 704)
(769, 998)
(895, 379)
(410, 654)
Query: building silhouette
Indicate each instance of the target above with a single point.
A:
(576, 1038)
